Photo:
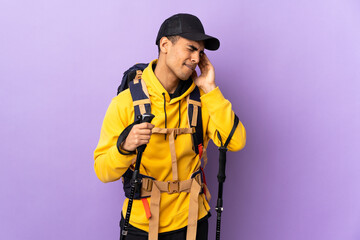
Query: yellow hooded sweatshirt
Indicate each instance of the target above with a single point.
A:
(110, 165)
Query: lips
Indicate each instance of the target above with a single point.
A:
(192, 67)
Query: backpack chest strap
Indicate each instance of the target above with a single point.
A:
(176, 131)
(168, 186)
(172, 133)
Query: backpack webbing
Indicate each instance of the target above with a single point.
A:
(142, 103)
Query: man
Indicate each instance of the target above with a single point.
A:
(169, 157)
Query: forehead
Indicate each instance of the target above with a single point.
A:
(198, 44)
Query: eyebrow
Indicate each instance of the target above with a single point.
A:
(195, 48)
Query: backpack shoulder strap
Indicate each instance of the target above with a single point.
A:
(140, 96)
(141, 102)
(132, 73)
(195, 120)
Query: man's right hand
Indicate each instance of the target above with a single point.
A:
(139, 135)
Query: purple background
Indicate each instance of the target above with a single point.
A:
(290, 68)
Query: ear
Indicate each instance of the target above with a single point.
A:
(164, 45)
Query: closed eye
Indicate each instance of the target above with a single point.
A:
(193, 49)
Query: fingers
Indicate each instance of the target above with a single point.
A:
(141, 132)
(144, 125)
(204, 63)
(139, 135)
(194, 75)
(204, 58)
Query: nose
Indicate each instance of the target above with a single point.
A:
(195, 57)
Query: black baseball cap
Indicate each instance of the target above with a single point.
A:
(187, 26)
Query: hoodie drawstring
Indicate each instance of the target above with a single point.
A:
(179, 115)
(165, 112)
(179, 119)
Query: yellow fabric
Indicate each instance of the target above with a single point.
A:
(110, 165)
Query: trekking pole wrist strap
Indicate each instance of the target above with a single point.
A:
(123, 137)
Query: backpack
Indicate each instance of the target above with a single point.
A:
(137, 93)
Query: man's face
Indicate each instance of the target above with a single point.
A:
(183, 56)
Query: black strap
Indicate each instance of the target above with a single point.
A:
(222, 152)
(236, 122)
(123, 137)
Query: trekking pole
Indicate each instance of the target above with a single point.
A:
(135, 180)
(221, 175)
(221, 179)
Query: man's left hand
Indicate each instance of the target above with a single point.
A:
(206, 80)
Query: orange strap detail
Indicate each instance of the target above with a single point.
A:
(203, 173)
(200, 147)
(146, 207)
(203, 179)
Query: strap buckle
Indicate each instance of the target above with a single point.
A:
(223, 149)
(173, 187)
(147, 184)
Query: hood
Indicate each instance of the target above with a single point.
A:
(156, 89)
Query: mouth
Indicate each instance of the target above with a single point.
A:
(191, 67)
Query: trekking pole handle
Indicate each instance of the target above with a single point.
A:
(146, 117)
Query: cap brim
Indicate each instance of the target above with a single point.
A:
(211, 43)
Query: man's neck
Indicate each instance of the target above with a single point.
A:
(167, 78)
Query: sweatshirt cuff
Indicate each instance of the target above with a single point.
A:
(214, 100)
(122, 160)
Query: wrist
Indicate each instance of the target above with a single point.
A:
(121, 149)
(208, 88)
(125, 150)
